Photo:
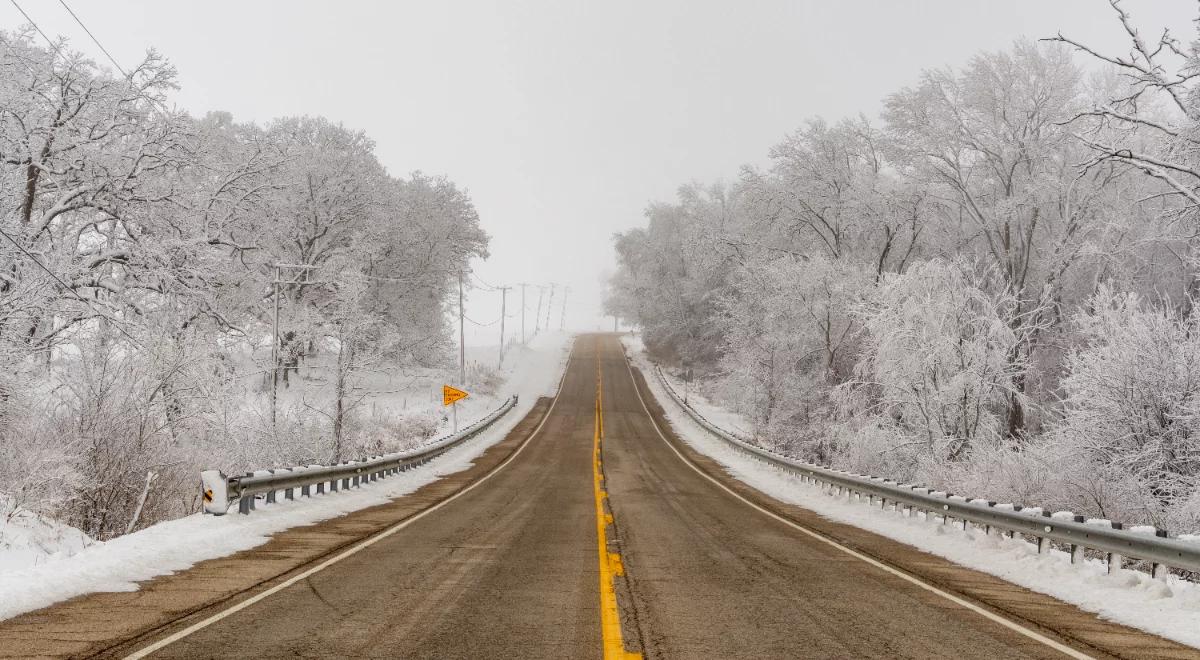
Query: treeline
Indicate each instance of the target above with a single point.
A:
(139, 282)
(991, 289)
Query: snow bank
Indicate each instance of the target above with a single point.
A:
(729, 421)
(1170, 608)
(42, 563)
(27, 539)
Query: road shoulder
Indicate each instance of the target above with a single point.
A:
(1034, 610)
(111, 623)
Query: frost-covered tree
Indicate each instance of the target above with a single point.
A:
(1148, 120)
(674, 272)
(790, 335)
(136, 302)
(428, 232)
(988, 144)
(944, 252)
(936, 365)
(829, 190)
(1130, 429)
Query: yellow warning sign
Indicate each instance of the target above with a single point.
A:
(207, 495)
(452, 394)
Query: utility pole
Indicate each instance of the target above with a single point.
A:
(303, 268)
(503, 303)
(550, 306)
(275, 347)
(523, 313)
(462, 345)
(562, 317)
(537, 318)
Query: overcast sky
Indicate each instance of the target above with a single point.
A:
(564, 119)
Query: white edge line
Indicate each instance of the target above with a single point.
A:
(992, 616)
(200, 625)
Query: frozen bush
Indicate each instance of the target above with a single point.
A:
(938, 363)
(1129, 436)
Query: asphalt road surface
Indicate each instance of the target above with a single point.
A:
(702, 566)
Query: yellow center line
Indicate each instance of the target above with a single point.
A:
(610, 563)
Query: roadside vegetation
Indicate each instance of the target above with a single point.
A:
(990, 288)
(139, 284)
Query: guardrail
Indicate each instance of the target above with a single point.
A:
(1040, 527)
(219, 491)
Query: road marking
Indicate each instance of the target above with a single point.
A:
(992, 616)
(610, 563)
(200, 625)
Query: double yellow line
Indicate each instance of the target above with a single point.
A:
(610, 562)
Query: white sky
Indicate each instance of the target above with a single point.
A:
(563, 118)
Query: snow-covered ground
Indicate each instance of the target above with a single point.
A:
(42, 563)
(27, 539)
(1170, 608)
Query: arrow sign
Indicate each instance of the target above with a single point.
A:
(452, 394)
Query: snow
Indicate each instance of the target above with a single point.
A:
(42, 563)
(731, 422)
(1168, 607)
(27, 539)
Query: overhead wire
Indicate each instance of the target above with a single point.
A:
(155, 103)
(94, 39)
(36, 27)
(69, 289)
(477, 323)
(118, 324)
(486, 286)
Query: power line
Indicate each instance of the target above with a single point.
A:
(94, 39)
(477, 323)
(67, 288)
(486, 286)
(35, 26)
(156, 104)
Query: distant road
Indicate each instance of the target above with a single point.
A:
(511, 567)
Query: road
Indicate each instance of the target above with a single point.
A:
(524, 561)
